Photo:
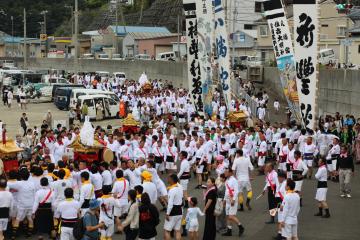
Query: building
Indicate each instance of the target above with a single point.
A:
(115, 35)
(11, 46)
(148, 43)
(333, 27)
(244, 43)
(354, 38)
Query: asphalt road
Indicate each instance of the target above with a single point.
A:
(343, 224)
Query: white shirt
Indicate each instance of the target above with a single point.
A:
(107, 178)
(6, 199)
(241, 166)
(120, 190)
(97, 181)
(184, 167)
(26, 193)
(150, 188)
(231, 188)
(321, 174)
(291, 208)
(175, 197)
(86, 192)
(67, 209)
(40, 196)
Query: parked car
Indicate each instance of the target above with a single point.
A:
(110, 106)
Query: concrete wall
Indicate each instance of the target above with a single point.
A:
(176, 72)
(339, 90)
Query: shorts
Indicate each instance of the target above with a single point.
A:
(231, 210)
(298, 186)
(108, 232)
(309, 163)
(119, 211)
(3, 224)
(280, 216)
(244, 185)
(184, 183)
(174, 223)
(321, 194)
(13, 210)
(66, 233)
(170, 166)
(193, 228)
(289, 230)
(200, 169)
(22, 213)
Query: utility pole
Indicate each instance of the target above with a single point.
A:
(75, 37)
(178, 38)
(44, 31)
(233, 36)
(116, 27)
(12, 35)
(25, 45)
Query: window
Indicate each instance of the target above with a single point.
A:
(341, 30)
(264, 31)
(258, 7)
(89, 102)
(359, 49)
(324, 25)
(248, 26)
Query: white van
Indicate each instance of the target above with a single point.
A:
(77, 92)
(104, 75)
(166, 56)
(88, 56)
(327, 56)
(110, 106)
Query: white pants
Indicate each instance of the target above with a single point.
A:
(109, 232)
(321, 194)
(22, 213)
(290, 230)
(184, 183)
(231, 210)
(3, 224)
(66, 233)
(298, 185)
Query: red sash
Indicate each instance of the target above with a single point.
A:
(171, 153)
(157, 149)
(46, 198)
(231, 191)
(272, 186)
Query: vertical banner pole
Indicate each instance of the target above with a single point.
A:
(306, 57)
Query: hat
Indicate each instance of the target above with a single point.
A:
(220, 158)
(146, 175)
(93, 204)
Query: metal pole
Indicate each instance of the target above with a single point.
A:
(178, 38)
(12, 35)
(75, 37)
(116, 27)
(233, 36)
(25, 47)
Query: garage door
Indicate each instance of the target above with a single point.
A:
(161, 49)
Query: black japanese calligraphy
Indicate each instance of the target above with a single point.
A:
(305, 31)
(306, 114)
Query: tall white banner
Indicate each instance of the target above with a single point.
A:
(222, 50)
(205, 27)
(306, 53)
(284, 53)
(193, 58)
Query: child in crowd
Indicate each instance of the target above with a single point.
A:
(192, 222)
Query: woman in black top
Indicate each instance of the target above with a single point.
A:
(210, 202)
(148, 218)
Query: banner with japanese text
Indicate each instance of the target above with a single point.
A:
(306, 53)
(205, 27)
(284, 53)
(193, 58)
(222, 50)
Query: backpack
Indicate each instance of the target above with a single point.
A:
(79, 228)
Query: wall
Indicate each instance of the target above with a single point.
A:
(176, 72)
(339, 90)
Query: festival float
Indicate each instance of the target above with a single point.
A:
(8, 154)
(237, 119)
(87, 146)
(130, 125)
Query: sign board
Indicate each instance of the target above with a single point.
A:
(43, 37)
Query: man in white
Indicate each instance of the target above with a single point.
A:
(290, 212)
(171, 156)
(298, 170)
(174, 210)
(148, 186)
(120, 191)
(231, 203)
(141, 151)
(184, 174)
(241, 166)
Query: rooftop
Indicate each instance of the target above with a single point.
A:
(123, 30)
(150, 35)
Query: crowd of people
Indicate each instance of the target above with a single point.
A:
(52, 193)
